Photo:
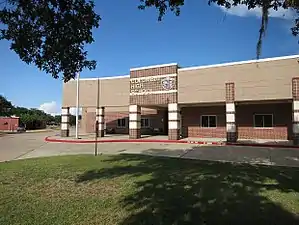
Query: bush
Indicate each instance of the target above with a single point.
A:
(32, 122)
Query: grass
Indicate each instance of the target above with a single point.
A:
(133, 189)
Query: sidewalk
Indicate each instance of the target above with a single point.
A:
(90, 138)
(119, 138)
(39, 131)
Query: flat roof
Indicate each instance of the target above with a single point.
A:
(240, 62)
(198, 67)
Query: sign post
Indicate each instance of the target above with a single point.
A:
(96, 138)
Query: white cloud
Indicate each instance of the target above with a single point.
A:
(50, 108)
(242, 11)
(54, 109)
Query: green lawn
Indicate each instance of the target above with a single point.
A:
(134, 189)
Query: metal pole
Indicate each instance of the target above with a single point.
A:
(96, 138)
(77, 106)
(97, 122)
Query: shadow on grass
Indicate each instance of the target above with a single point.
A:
(179, 191)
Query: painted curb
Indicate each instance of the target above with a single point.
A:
(262, 145)
(49, 139)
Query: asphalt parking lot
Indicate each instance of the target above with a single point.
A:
(29, 145)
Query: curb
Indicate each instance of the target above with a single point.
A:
(49, 139)
(262, 145)
(37, 131)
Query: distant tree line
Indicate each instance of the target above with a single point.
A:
(30, 118)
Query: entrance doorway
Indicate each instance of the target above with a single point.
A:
(165, 122)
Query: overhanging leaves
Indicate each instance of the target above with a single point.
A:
(50, 33)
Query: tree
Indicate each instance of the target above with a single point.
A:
(175, 6)
(5, 106)
(31, 118)
(50, 33)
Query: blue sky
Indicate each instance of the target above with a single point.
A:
(129, 38)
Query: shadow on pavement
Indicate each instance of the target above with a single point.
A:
(180, 191)
(237, 154)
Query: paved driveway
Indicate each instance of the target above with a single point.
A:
(14, 146)
(29, 145)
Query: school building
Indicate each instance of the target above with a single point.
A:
(255, 99)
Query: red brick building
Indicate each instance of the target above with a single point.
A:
(9, 123)
(256, 99)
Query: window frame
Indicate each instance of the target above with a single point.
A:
(263, 114)
(148, 126)
(121, 126)
(216, 119)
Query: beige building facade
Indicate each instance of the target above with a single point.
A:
(256, 99)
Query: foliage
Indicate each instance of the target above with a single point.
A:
(265, 5)
(134, 189)
(31, 118)
(5, 106)
(50, 33)
(32, 121)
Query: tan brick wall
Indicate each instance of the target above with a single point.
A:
(153, 71)
(90, 122)
(253, 81)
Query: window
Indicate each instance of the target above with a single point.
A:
(263, 120)
(121, 123)
(144, 122)
(208, 121)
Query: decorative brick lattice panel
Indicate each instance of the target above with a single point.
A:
(142, 89)
(230, 92)
(295, 88)
(151, 84)
(173, 134)
(278, 133)
(135, 133)
(153, 99)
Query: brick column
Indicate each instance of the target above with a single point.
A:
(173, 121)
(231, 131)
(295, 116)
(65, 119)
(100, 117)
(135, 122)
